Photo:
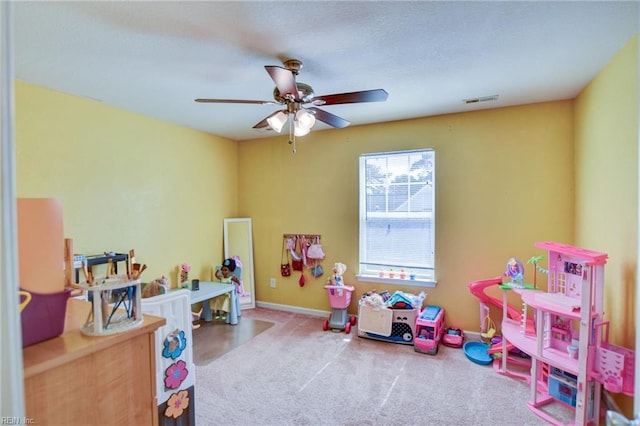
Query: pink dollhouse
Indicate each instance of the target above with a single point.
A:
(571, 358)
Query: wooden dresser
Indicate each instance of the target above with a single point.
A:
(75, 379)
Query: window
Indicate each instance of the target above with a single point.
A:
(397, 206)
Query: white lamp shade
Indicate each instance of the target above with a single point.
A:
(300, 130)
(276, 121)
(305, 119)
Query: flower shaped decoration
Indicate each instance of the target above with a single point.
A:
(177, 403)
(174, 344)
(175, 374)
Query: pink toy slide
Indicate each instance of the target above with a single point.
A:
(477, 289)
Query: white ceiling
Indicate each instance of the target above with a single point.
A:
(155, 58)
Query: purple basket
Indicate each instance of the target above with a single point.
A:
(43, 316)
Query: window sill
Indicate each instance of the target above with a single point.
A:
(397, 281)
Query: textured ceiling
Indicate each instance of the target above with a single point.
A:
(155, 58)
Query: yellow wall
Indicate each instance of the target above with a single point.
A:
(606, 123)
(606, 128)
(126, 180)
(504, 180)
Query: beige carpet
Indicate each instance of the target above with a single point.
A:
(214, 339)
(295, 373)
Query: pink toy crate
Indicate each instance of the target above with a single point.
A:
(339, 295)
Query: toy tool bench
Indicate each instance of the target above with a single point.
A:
(389, 318)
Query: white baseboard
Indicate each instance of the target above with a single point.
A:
(472, 335)
(294, 309)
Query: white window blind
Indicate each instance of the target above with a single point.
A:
(397, 206)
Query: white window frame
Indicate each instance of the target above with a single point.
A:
(426, 275)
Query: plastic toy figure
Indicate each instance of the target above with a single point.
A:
(515, 271)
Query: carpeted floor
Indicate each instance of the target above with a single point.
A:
(294, 373)
(214, 339)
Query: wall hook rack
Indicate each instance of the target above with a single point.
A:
(307, 236)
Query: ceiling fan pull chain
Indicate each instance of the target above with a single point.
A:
(292, 135)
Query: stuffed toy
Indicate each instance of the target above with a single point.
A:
(338, 270)
(373, 299)
(155, 287)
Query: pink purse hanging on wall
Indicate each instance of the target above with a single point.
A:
(316, 254)
(296, 259)
(315, 250)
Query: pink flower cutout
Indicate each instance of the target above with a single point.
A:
(175, 374)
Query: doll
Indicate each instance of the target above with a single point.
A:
(515, 271)
(338, 270)
(224, 273)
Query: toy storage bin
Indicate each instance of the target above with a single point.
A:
(42, 315)
(389, 325)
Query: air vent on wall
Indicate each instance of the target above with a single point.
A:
(480, 99)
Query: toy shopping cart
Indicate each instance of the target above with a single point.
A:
(339, 299)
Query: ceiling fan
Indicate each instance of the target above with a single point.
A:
(300, 102)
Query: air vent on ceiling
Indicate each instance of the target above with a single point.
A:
(480, 99)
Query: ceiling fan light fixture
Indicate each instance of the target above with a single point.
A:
(305, 119)
(277, 121)
(300, 130)
(295, 97)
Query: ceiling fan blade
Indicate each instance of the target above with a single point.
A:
(284, 80)
(234, 101)
(377, 95)
(328, 118)
(265, 123)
